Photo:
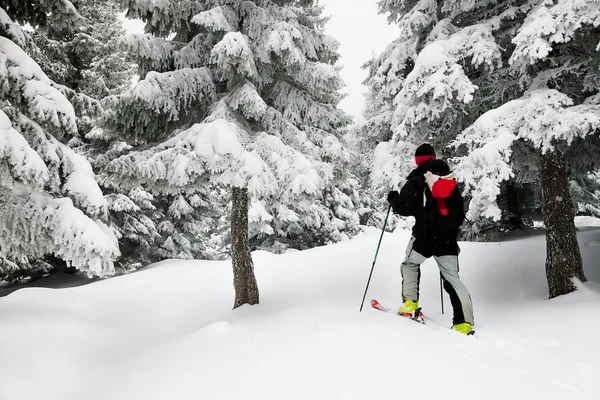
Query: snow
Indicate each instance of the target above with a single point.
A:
(247, 99)
(81, 180)
(158, 91)
(216, 19)
(12, 30)
(168, 331)
(484, 170)
(25, 162)
(551, 23)
(586, 221)
(35, 224)
(45, 102)
(217, 138)
(21, 64)
(232, 55)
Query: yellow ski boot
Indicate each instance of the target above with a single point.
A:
(408, 308)
(464, 328)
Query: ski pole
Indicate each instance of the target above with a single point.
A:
(375, 259)
(441, 292)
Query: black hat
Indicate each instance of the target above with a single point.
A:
(424, 150)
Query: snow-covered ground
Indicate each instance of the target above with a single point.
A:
(168, 332)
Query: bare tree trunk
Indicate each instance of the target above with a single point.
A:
(244, 281)
(563, 259)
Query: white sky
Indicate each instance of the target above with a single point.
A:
(361, 33)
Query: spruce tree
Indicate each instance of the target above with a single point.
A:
(240, 95)
(52, 211)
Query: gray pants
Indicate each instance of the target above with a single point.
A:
(448, 265)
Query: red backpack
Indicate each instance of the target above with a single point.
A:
(441, 188)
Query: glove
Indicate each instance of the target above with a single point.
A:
(393, 196)
(442, 188)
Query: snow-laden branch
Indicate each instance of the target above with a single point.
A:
(553, 22)
(23, 161)
(212, 151)
(22, 80)
(233, 55)
(438, 80)
(34, 224)
(542, 118)
(144, 110)
(14, 31)
(155, 52)
(221, 18)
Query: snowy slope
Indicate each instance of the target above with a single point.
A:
(168, 332)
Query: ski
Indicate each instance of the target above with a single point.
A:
(417, 316)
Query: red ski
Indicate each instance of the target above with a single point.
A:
(416, 316)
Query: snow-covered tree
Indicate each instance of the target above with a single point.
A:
(51, 208)
(511, 88)
(84, 57)
(240, 95)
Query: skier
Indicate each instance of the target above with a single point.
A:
(431, 195)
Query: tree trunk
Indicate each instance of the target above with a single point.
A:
(244, 281)
(512, 206)
(563, 259)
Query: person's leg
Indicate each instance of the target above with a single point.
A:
(459, 295)
(411, 273)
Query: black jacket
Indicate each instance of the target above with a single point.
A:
(435, 234)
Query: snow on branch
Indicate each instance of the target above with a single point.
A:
(247, 100)
(22, 80)
(483, 171)
(218, 19)
(388, 72)
(299, 107)
(437, 80)
(392, 162)
(56, 14)
(195, 53)
(164, 16)
(64, 170)
(281, 43)
(34, 224)
(80, 181)
(24, 162)
(155, 52)
(14, 31)
(145, 110)
(256, 19)
(276, 124)
(455, 7)
(398, 9)
(233, 55)
(296, 173)
(316, 45)
(259, 219)
(552, 22)
(318, 76)
(208, 151)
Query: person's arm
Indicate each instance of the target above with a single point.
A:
(405, 203)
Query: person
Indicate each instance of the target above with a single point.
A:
(431, 195)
